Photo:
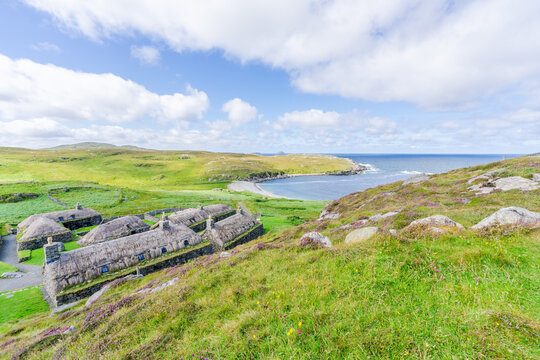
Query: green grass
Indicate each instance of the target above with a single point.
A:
(153, 169)
(455, 296)
(23, 303)
(37, 256)
(6, 268)
(84, 229)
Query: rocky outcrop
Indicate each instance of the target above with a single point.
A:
(536, 177)
(505, 184)
(315, 240)
(355, 169)
(378, 217)
(416, 179)
(434, 223)
(326, 215)
(360, 235)
(511, 216)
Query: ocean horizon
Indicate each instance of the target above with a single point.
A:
(382, 169)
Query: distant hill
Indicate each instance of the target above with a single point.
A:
(94, 145)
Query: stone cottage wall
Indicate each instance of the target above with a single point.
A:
(84, 222)
(38, 242)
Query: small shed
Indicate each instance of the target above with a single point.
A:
(36, 234)
(234, 229)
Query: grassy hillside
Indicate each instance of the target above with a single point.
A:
(172, 170)
(459, 295)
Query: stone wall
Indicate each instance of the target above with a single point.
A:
(62, 299)
(247, 237)
(42, 240)
(200, 226)
(84, 222)
(72, 296)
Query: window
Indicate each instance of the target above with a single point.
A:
(186, 243)
(141, 257)
(104, 269)
(163, 250)
(61, 218)
(73, 217)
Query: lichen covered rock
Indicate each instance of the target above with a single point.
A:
(315, 240)
(361, 234)
(512, 216)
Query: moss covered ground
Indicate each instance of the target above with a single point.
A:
(6, 268)
(454, 296)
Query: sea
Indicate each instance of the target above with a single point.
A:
(382, 169)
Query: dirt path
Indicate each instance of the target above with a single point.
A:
(8, 254)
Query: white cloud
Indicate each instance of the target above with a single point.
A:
(309, 119)
(29, 90)
(46, 46)
(146, 54)
(239, 112)
(316, 120)
(434, 53)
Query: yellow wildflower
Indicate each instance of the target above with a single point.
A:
(299, 324)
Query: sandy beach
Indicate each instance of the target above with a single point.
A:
(252, 187)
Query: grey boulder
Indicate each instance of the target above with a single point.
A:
(435, 221)
(315, 240)
(511, 216)
(361, 234)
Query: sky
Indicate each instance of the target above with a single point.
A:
(308, 76)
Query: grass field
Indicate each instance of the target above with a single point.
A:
(455, 296)
(6, 268)
(21, 304)
(37, 256)
(172, 170)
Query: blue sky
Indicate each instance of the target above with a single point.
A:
(313, 76)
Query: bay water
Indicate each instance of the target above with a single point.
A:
(383, 169)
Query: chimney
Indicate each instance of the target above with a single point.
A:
(78, 206)
(164, 224)
(210, 224)
(240, 211)
(52, 252)
(199, 207)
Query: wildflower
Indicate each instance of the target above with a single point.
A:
(356, 270)
(299, 324)
(254, 336)
(299, 281)
(299, 331)
(258, 302)
(406, 352)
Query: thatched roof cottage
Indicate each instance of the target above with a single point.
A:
(114, 229)
(72, 218)
(36, 234)
(83, 264)
(232, 231)
(198, 216)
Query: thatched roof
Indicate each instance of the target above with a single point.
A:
(42, 227)
(189, 217)
(230, 228)
(114, 229)
(60, 216)
(86, 262)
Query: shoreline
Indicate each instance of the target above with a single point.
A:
(254, 188)
(251, 185)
